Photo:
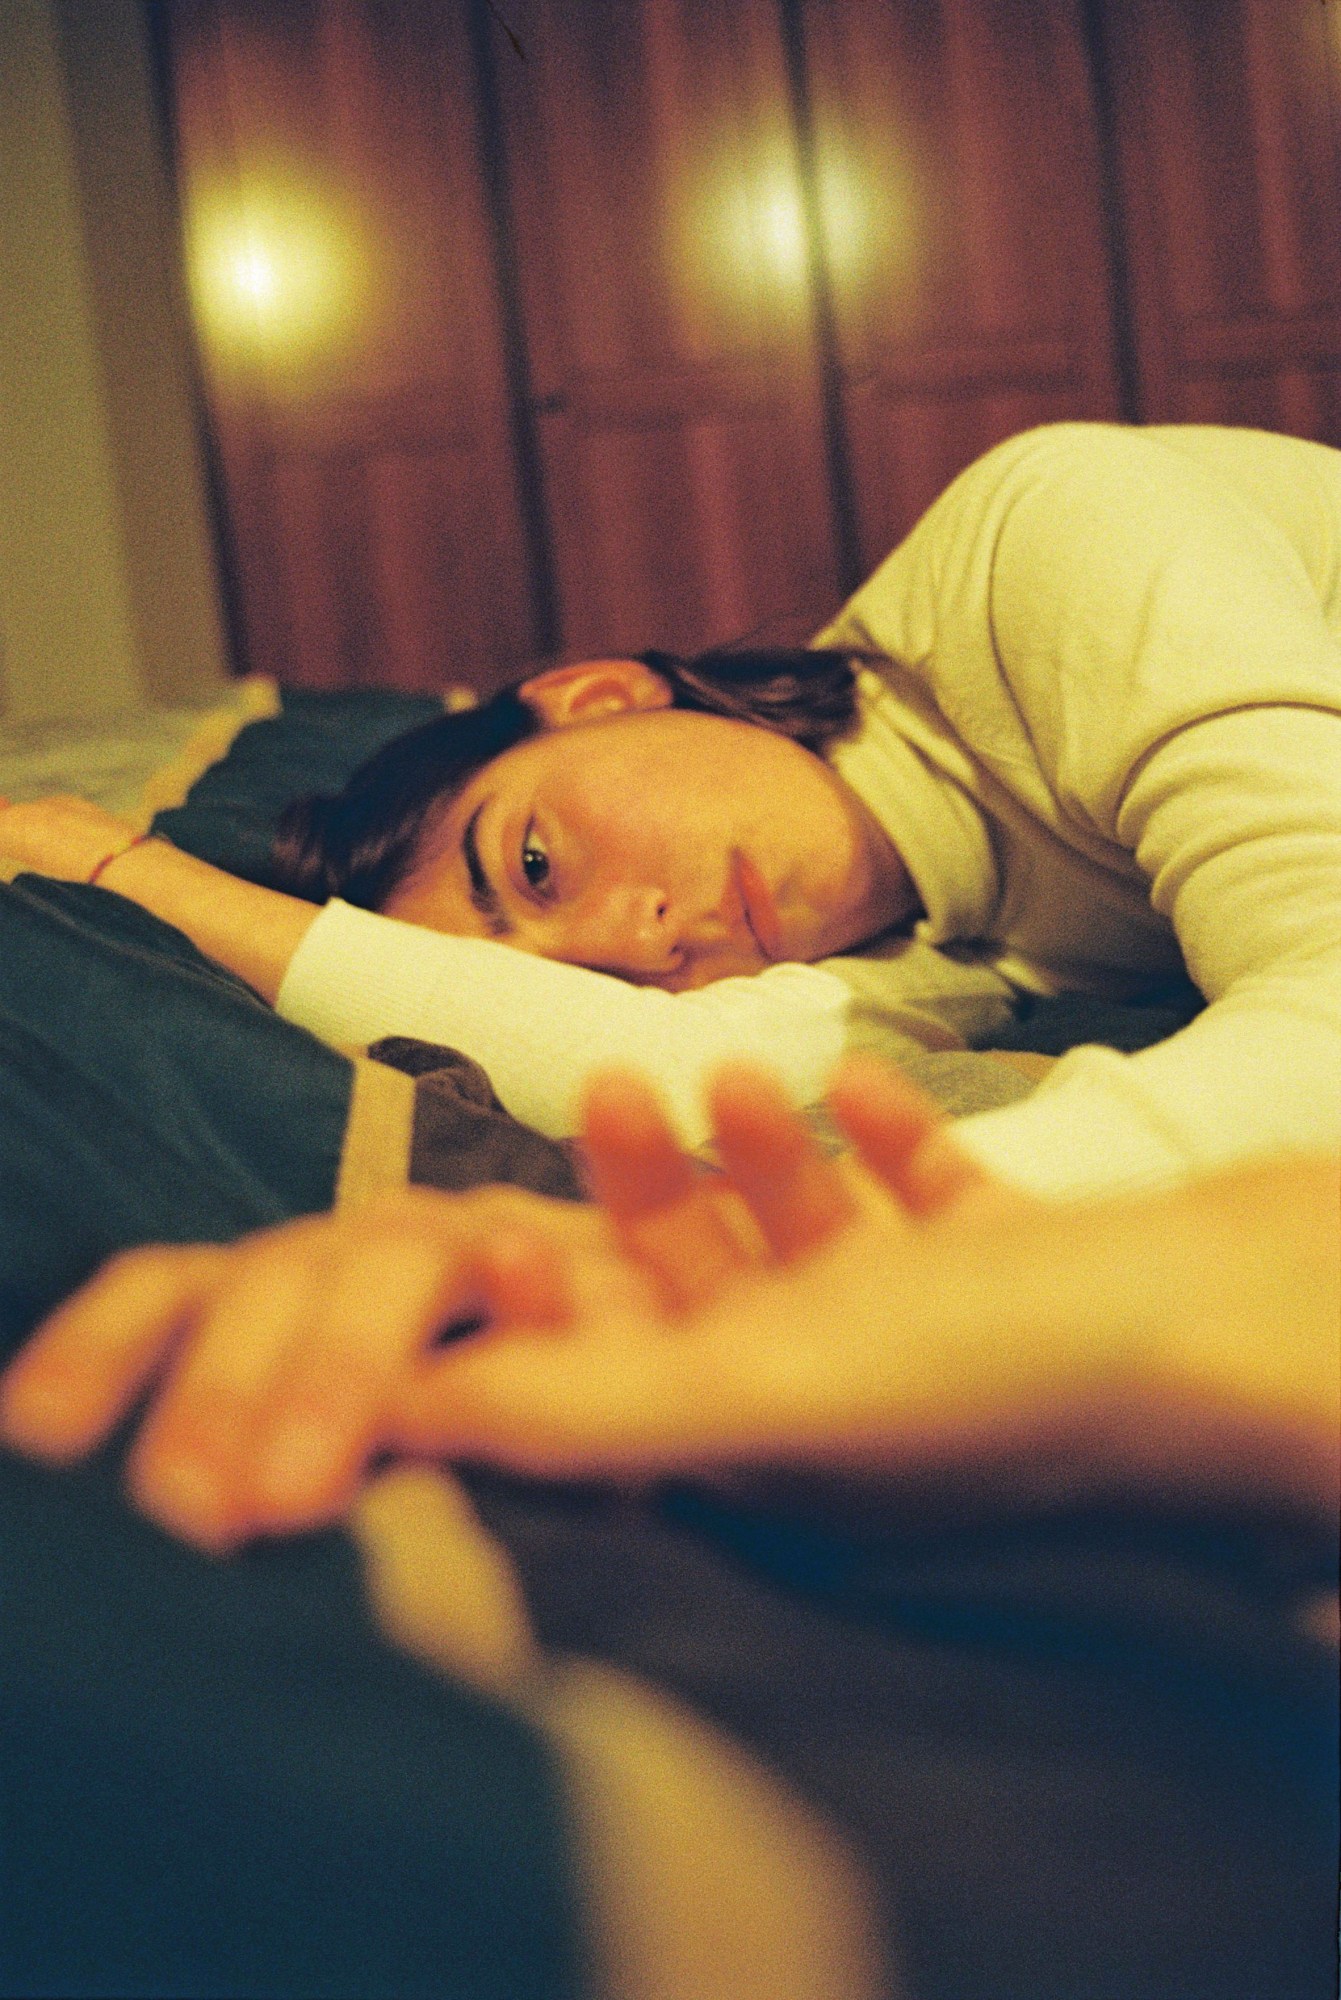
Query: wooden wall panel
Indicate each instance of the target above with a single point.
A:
(960, 169)
(1229, 121)
(585, 377)
(668, 322)
(350, 328)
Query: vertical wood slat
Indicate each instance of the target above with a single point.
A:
(973, 294)
(394, 426)
(1230, 161)
(653, 186)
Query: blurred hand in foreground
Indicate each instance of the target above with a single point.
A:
(277, 1367)
(920, 1325)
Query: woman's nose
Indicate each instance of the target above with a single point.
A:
(628, 930)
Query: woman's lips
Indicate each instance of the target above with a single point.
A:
(756, 901)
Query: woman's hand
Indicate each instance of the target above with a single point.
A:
(795, 1199)
(272, 1364)
(63, 837)
(279, 1366)
(989, 1351)
(955, 1333)
(802, 1354)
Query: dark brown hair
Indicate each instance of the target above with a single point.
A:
(361, 843)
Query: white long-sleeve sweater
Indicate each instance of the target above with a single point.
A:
(1104, 734)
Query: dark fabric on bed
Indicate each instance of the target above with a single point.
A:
(216, 1780)
(463, 1138)
(1049, 1027)
(146, 1095)
(1086, 1756)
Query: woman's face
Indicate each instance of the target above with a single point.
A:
(667, 847)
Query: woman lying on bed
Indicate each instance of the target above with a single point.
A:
(1082, 730)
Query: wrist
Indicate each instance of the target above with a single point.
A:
(144, 870)
(252, 931)
(114, 854)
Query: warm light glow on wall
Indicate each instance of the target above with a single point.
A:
(847, 223)
(779, 224)
(277, 275)
(761, 224)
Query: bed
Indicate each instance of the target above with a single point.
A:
(493, 1739)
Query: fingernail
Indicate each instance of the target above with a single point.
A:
(295, 1468)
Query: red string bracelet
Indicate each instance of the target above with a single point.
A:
(135, 841)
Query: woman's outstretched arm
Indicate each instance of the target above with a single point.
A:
(541, 1029)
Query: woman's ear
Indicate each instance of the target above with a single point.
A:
(591, 689)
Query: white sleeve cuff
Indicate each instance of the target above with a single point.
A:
(1078, 1135)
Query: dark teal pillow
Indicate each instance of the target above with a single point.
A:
(314, 745)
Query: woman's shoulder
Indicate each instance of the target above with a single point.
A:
(944, 564)
(1095, 466)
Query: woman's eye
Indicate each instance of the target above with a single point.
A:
(534, 860)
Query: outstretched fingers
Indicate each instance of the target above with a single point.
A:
(272, 1365)
(384, 1300)
(186, 1468)
(283, 1396)
(98, 1353)
(670, 1217)
(901, 1136)
(797, 1197)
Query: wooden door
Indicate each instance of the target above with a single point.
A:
(1229, 156)
(343, 278)
(968, 246)
(663, 274)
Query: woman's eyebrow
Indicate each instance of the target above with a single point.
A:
(483, 895)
